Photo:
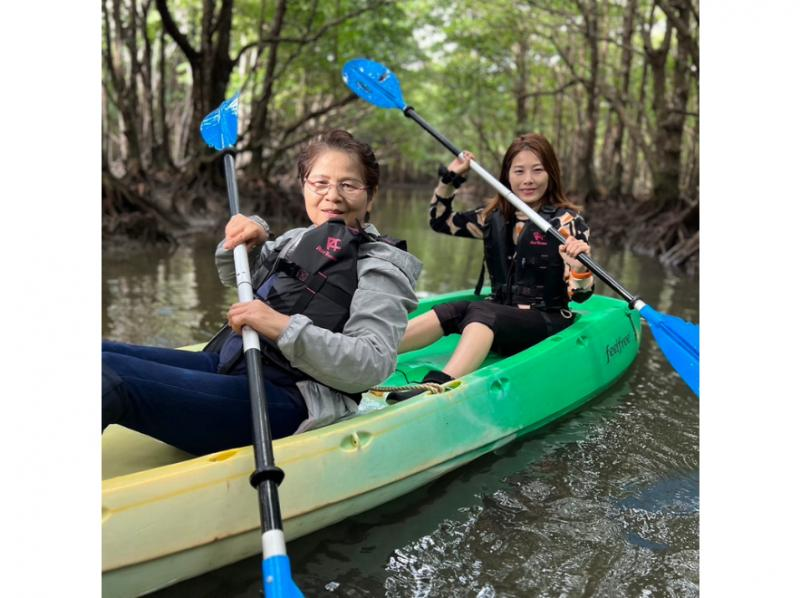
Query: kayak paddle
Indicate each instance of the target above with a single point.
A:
(219, 130)
(679, 340)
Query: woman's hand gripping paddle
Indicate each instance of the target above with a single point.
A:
(219, 130)
(679, 340)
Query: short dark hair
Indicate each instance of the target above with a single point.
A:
(343, 141)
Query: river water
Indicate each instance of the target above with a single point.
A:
(602, 503)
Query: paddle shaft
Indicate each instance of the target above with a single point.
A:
(678, 340)
(267, 475)
(633, 301)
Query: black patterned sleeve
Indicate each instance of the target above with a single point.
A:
(571, 224)
(459, 224)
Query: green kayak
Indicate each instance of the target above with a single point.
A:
(168, 516)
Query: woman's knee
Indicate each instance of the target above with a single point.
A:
(479, 312)
(111, 346)
(113, 391)
(449, 316)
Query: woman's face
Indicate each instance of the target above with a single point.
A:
(334, 188)
(527, 177)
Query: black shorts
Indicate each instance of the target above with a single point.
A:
(515, 329)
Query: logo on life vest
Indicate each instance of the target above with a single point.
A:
(538, 239)
(334, 244)
(617, 347)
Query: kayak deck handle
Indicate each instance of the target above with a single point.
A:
(223, 455)
(499, 387)
(355, 441)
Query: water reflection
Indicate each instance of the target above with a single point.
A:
(174, 297)
(603, 503)
(164, 298)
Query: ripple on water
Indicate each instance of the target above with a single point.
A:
(541, 535)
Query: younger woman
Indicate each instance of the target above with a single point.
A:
(532, 277)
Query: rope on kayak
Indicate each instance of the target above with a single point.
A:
(432, 387)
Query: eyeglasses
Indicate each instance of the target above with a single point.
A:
(346, 189)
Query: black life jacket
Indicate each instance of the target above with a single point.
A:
(530, 274)
(319, 281)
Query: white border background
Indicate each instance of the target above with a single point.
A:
(51, 297)
(750, 60)
(50, 396)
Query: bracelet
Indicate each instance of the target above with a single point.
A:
(580, 275)
(449, 177)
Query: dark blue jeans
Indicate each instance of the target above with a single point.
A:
(179, 398)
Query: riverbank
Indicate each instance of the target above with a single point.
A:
(152, 212)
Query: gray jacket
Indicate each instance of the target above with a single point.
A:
(364, 354)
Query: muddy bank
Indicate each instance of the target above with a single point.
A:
(672, 236)
(159, 210)
(162, 211)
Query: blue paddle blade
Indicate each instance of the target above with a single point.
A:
(373, 82)
(220, 128)
(277, 576)
(680, 343)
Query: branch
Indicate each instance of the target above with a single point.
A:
(175, 33)
(683, 29)
(551, 92)
(111, 95)
(244, 49)
(272, 55)
(549, 9)
(582, 80)
(299, 123)
(618, 106)
(304, 41)
(277, 151)
(259, 44)
(330, 24)
(656, 55)
(109, 55)
(316, 113)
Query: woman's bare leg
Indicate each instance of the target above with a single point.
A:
(421, 332)
(472, 349)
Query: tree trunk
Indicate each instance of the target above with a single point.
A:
(133, 121)
(670, 110)
(161, 152)
(629, 183)
(211, 66)
(521, 85)
(124, 85)
(148, 103)
(559, 110)
(259, 121)
(585, 180)
(615, 184)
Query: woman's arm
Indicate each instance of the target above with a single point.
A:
(442, 218)
(253, 231)
(459, 224)
(580, 281)
(365, 352)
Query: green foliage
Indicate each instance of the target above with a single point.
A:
(481, 72)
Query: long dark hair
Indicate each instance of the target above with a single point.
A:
(343, 141)
(554, 195)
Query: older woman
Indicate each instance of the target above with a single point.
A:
(333, 303)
